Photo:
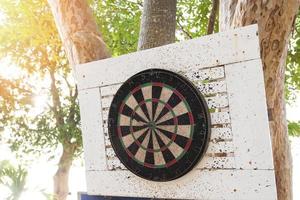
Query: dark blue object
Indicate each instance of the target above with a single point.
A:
(90, 197)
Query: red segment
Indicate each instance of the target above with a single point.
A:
(121, 107)
(119, 132)
(169, 164)
(129, 153)
(141, 103)
(188, 144)
(168, 106)
(149, 165)
(173, 137)
(178, 94)
(175, 121)
(135, 89)
(191, 117)
(137, 142)
(158, 84)
(155, 100)
(150, 150)
(163, 148)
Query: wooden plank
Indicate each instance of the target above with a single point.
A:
(207, 162)
(220, 118)
(194, 75)
(220, 147)
(249, 118)
(241, 44)
(208, 88)
(110, 90)
(216, 163)
(205, 74)
(221, 133)
(218, 101)
(92, 133)
(115, 164)
(197, 184)
(212, 87)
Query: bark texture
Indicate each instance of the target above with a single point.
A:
(83, 43)
(158, 23)
(61, 177)
(212, 17)
(275, 22)
(78, 31)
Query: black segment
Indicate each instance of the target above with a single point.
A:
(128, 112)
(137, 128)
(133, 148)
(168, 156)
(183, 119)
(150, 144)
(138, 95)
(167, 122)
(181, 141)
(156, 91)
(164, 111)
(125, 130)
(174, 100)
(166, 133)
(149, 155)
(159, 140)
(142, 137)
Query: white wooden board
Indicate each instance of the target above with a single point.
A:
(226, 68)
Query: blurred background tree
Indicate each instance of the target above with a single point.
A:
(14, 178)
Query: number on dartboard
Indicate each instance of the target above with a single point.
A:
(156, 122)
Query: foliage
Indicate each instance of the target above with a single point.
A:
(192, 18)
(294, 128)
(13, 178)
(293, 64)
(29, 39)
(292, 81)
(119, 22)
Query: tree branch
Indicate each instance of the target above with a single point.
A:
(71, 117)
(55, 99)
(184, 31)
(212, 17)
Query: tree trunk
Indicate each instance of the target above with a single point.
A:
(275, 22)
(83, 43)
(158, 23)
(78, 31)
(61, 177)
(212, 17)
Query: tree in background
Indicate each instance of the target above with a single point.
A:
(83, 43)
(292, 75)
(275, 21)
(29, 40)
(14, 178)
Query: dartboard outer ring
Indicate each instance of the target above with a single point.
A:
(160, 137)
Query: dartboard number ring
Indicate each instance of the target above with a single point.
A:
(159, 125)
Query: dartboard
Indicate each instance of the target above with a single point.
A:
(159, 125)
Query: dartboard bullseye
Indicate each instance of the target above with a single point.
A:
(159, 125)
